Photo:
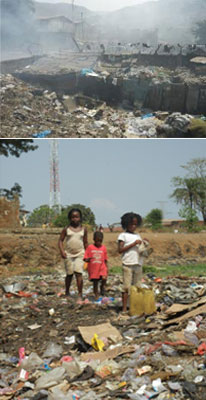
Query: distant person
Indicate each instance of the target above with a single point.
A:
(128, 247)
(76, 243)
(96, 257)
(101, 229)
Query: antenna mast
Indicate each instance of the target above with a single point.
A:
(54, 198)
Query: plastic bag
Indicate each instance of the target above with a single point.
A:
(32, 362)
(97, 343)
(50, 378)
(53, 350)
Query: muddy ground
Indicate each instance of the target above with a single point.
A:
(40, 314)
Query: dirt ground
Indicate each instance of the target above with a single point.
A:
(30, 250)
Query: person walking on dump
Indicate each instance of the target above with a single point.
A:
(96, 256)
(128, 247)
(76, 243)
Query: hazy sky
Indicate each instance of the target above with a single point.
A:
(101, 5)
(110, 176)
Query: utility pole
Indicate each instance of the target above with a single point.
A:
(54, 198)
(73, 26)
(82, 26)
(72, 10)
(162, 206)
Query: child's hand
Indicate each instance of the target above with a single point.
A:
(85, 265)
(146, 240)
(138, 242)
(63, 254)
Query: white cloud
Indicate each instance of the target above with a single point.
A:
(101, 203)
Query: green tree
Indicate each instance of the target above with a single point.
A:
(10, 194)
(41, 215)
(190, 191)
(186, 190)
(88, 216)
(154, 218)
(190, 217)
(15, 147)
(200, 32)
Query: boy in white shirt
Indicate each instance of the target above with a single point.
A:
(128, 247)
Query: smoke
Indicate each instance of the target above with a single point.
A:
(106, 5)
(174, 20)
(17, 25)
(168, 21)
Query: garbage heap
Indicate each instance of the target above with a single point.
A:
(34, 112)
(53, 348)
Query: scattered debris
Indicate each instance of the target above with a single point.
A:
(28, 111)
(161, 355)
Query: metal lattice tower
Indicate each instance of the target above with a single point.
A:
(54, 198)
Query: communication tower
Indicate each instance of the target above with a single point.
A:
(54, 198)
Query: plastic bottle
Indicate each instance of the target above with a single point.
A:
(128, 375)
(169, 351)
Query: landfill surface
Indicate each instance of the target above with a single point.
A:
(52, 346)
(33, 112)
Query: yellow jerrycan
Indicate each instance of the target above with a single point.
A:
(142, 301)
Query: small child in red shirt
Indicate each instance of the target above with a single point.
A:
(96, 256)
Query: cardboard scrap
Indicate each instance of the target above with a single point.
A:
(103, 331)
(108, 354)
(190, 314)
(34, 326)
(175, 308)
(201, 334)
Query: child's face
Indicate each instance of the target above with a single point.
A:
(98, 242)
(132, 226)
(75, 218)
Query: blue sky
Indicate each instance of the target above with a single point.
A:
(111, 176)
(101, 5)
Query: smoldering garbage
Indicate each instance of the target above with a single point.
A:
(27, 111)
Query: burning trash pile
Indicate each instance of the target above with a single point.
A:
(31, 112)
(53, 348)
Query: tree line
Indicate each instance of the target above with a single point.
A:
(189, 191)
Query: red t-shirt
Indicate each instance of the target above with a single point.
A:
(96, 266)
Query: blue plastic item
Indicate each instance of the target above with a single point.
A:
(86, 71)
(41, 134)
(147, 116)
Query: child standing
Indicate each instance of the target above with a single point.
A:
(128, 243)
(96, 256)
(76, 243)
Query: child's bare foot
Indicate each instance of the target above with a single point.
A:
(79, 300)
(123, 314)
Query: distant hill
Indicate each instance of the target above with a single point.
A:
(57, 9)
(172, 20)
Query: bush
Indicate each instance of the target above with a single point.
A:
(154, 219)
(191, 219)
